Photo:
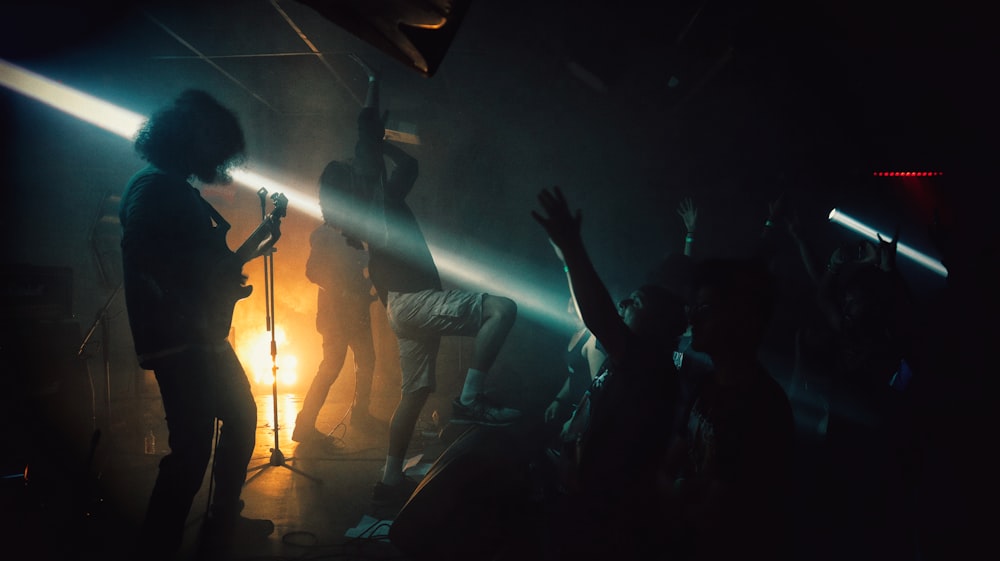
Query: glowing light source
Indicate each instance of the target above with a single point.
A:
(907, 173)
(495, 272)
(83, 106)
(839, 217)
(256, 354)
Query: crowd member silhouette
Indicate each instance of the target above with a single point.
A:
(726, 479)
(619, 430)
(956, 368)
(674, 272)
(419, 310)
(178, 278)
(337, 264)
(866, 354)
(689, 214)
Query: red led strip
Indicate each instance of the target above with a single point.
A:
(907, 173)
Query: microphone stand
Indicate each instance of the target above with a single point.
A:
(101, 320)
(277, 457)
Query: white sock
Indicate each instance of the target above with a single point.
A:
(474, 383)
(392, 473)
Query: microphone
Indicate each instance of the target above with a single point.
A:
(262, 195)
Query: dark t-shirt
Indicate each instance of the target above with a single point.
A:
(338, 270)
(612, 449)
(171, 250)
(399, 259)
(740, 439)
(622, 420)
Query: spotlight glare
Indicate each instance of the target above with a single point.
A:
(296, 198)
(85, 107)
(839, 217)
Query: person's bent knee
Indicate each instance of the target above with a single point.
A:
(500, 307)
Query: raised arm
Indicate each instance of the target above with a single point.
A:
(597, 309)
(827, 291)
(689, 214)
(371, 148)
(806, 252)
(368, 161)
(404, 172)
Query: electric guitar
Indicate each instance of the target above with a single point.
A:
(263, 238)
(228, 280)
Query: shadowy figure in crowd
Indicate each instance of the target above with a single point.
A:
(956, 356)
(419, 310)
(726, 480)
(181, 282)
(337, 264)
(620, 428)
(865, 354)
(674, 272)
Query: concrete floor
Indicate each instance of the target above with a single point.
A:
(319, 503)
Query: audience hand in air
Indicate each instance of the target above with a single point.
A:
(886, 259)
(688, 213)
(562, 226)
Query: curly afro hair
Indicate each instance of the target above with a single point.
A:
(193, 136)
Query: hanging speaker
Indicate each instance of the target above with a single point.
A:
(415, 32)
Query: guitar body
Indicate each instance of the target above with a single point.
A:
(227, 287)
(227, 279)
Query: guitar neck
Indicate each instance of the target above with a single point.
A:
(264, 235)
(263, 238)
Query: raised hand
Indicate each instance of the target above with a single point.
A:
(886, 251)
(562, 226)
(688, 213)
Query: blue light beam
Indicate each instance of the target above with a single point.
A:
(837, 216)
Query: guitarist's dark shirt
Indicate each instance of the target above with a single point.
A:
(170, 248)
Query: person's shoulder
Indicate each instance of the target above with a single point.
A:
(148, 175)
(150, 183)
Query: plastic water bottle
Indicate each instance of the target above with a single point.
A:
(150, 443)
